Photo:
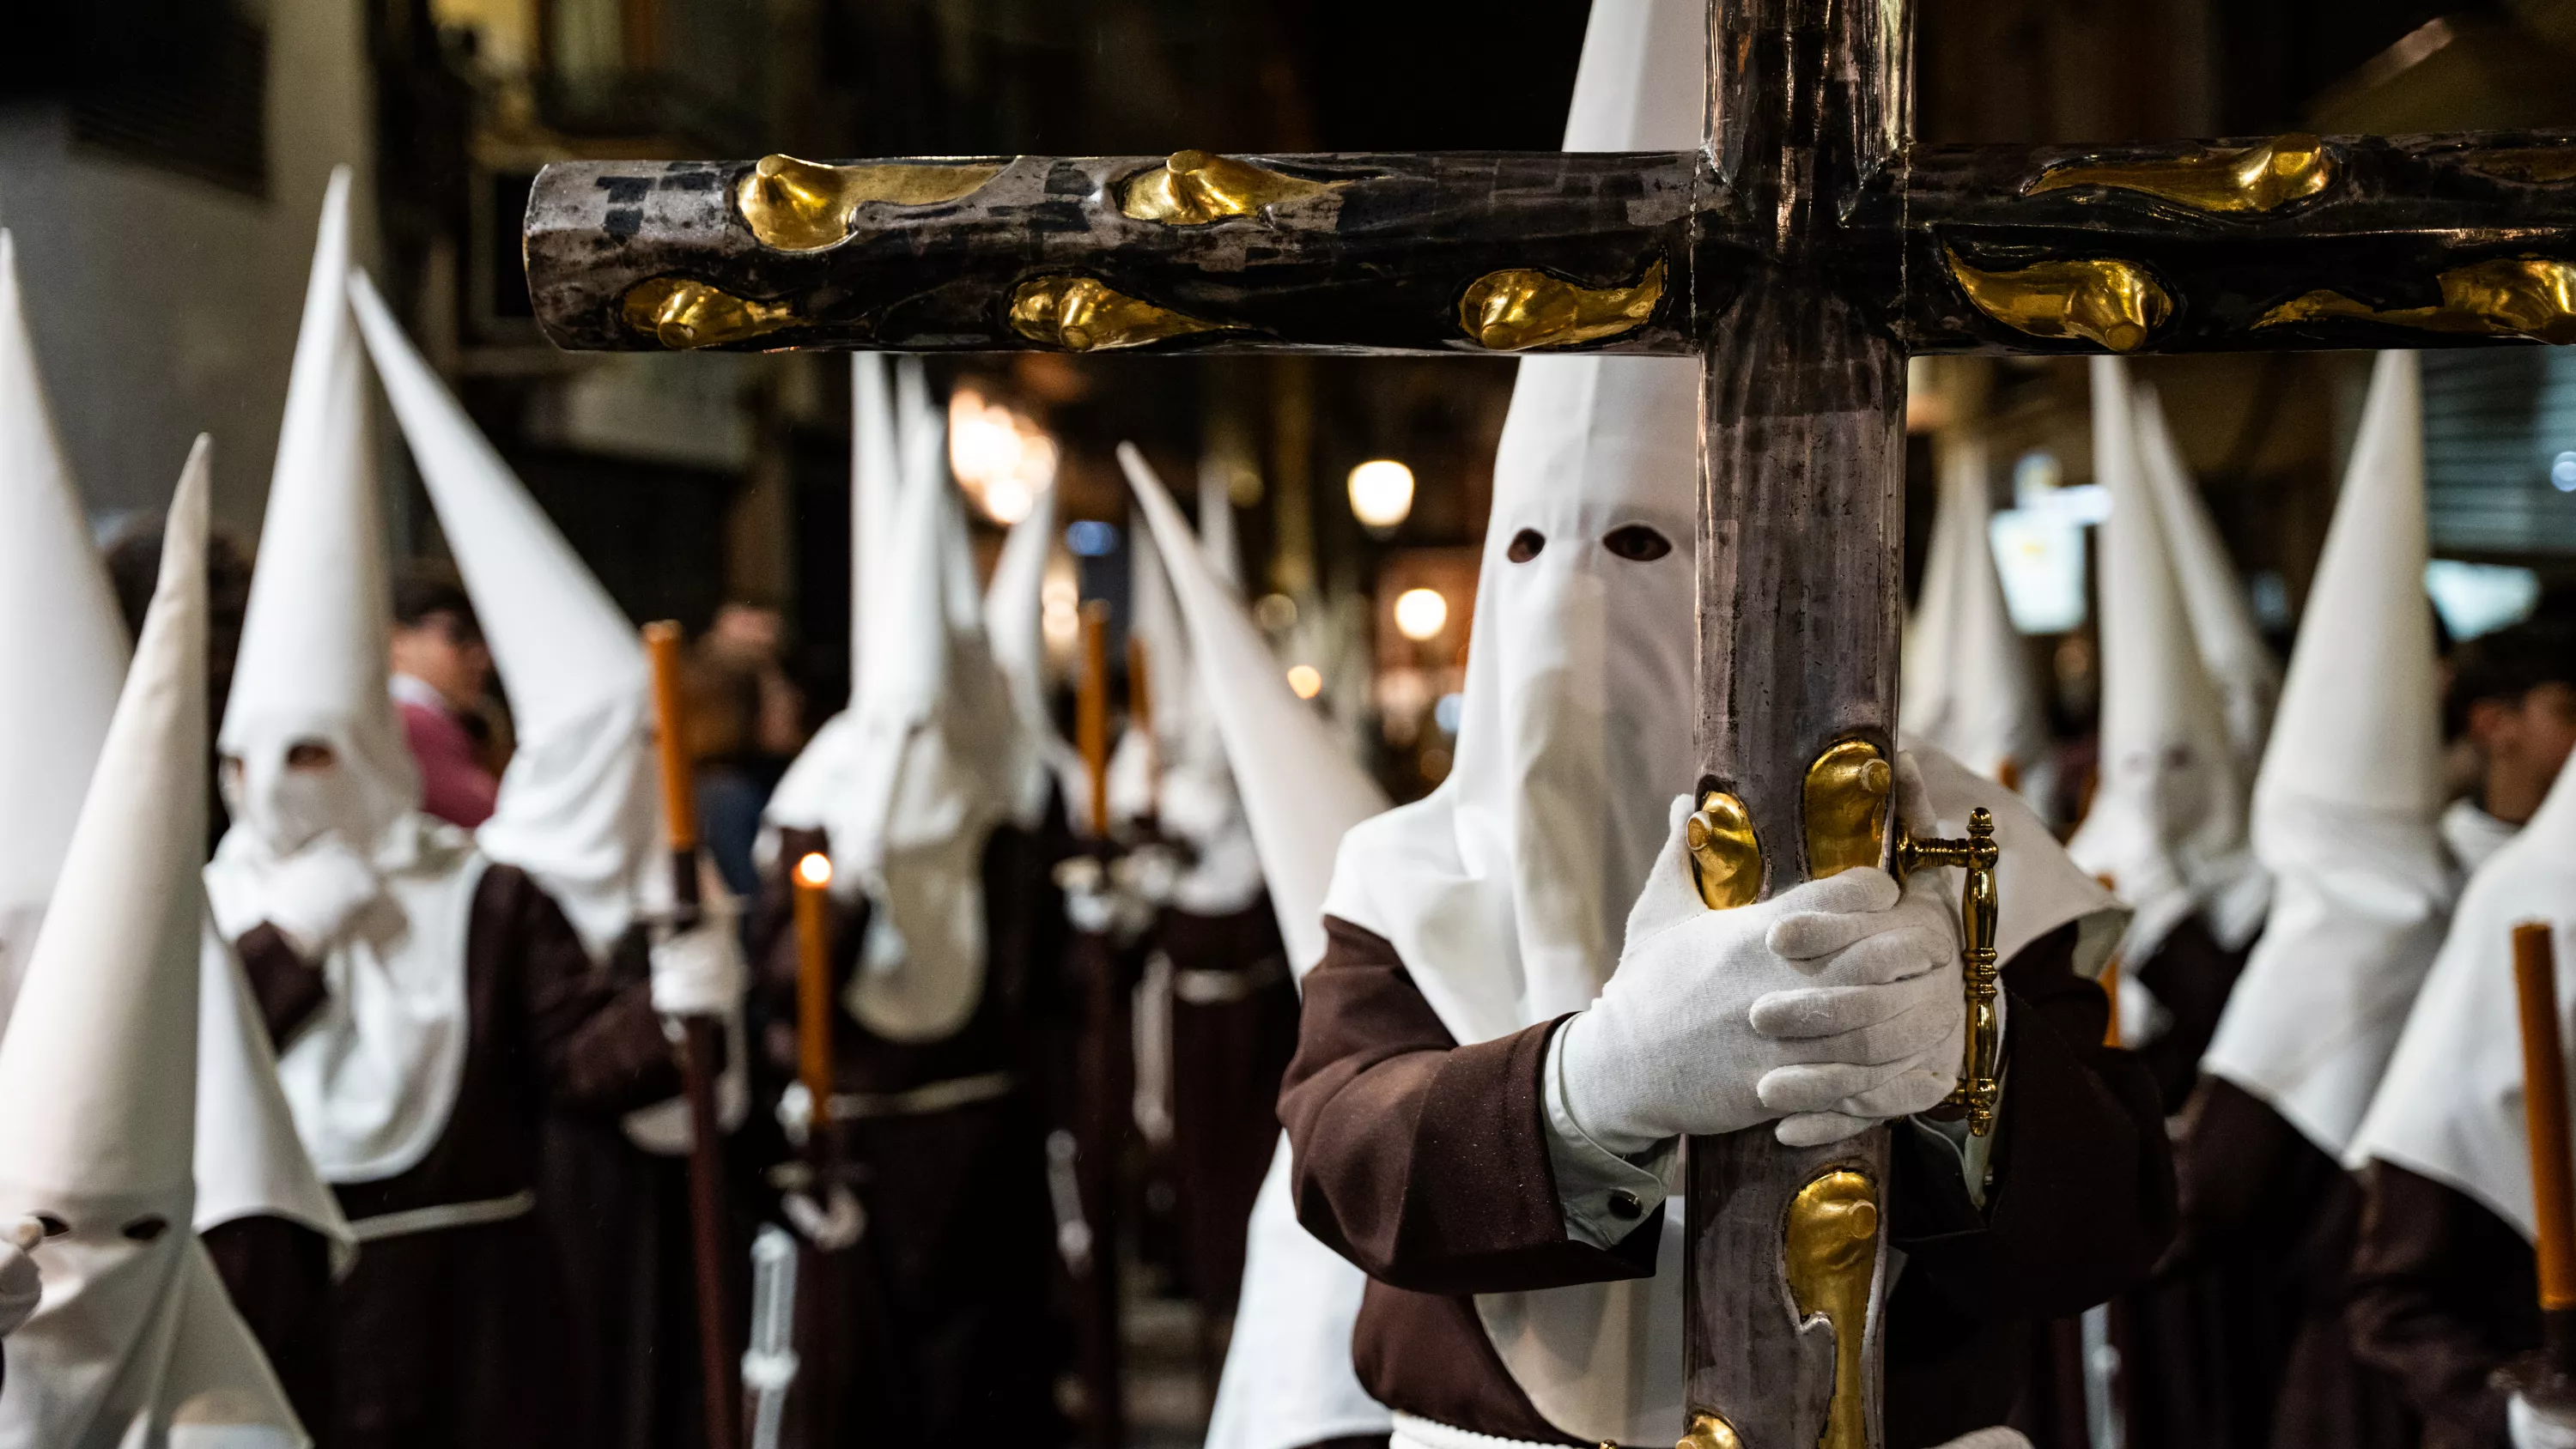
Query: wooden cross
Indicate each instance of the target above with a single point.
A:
(1803, 253)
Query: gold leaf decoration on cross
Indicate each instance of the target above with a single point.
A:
(2532, 297)
(1830, 1254)
(1725, 855)
(682, 314)
(1846, 807)
(2264, 177)
(805, 206)
(1195, 188)
(1521, 308)
(1085, 314)
(2103, 300)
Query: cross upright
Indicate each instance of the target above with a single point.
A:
(1803, 253)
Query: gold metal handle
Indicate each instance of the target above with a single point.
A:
(1980, 1074)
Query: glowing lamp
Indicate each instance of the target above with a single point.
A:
(1305, 680)
(1381, 493)
(1421, 613)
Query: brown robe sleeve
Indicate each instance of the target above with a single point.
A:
(1422, 1161)
(2444, 1292)
(599, 1044)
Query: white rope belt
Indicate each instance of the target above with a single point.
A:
(447, 1215)
(1411, 1432)
(1203, 986)
(921, 1101)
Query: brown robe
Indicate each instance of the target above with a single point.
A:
(2268, 1227)
(935, 1327)
(278, 1274)
(2443, 1294)
(456, 1337)
(1426, 1163)
(2200, 1354)
(617, 1220)
(1230, 1047)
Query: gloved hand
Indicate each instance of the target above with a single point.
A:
(699, 971)
(22, 1287)
(2532, 1426)
(1884, 1050)
(317, 894)
(1672, 1048)
(1997, 1437)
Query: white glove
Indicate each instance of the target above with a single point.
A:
(1887, 1046)
(1909, 1038)
(1671, 1047)
(22, 1287)
(1997, 1437)
(2531, 1426)
(699, 971)
(317, 894)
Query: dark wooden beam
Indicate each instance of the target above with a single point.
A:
(1382, 255)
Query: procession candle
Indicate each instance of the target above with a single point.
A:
(1091, 710)
(2544, 1108)
(814, 984)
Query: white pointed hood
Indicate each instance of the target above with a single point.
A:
(2347, 808)
(98, 1082)
(2240, 665)
(249, 1161)
(876, 482)
(374, 1073)
(1179, 776)
(1015, 628)
(312, 661)
(58, 678)
(580, 804)
(1302, 792)
(2167, 823)
(1967, 681)
(912, 778)
(1288, 1379)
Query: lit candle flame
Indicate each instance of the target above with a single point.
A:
(814, 870)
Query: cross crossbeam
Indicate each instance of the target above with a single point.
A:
(2272, 243)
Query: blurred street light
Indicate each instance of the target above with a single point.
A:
(1381, 494)
(1421, 614)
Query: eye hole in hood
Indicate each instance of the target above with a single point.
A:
(1637, 543)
